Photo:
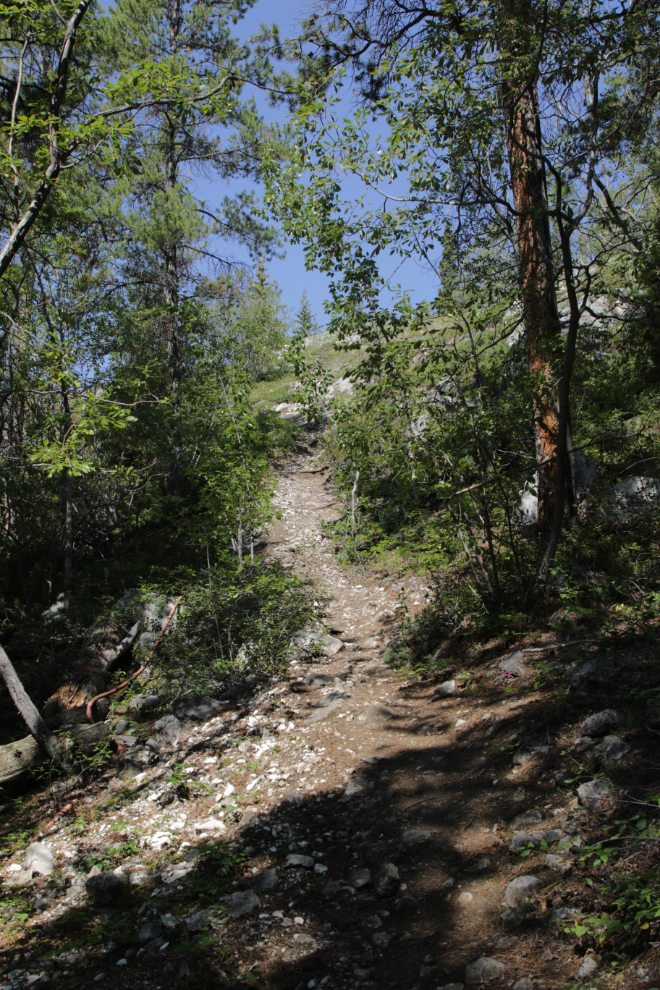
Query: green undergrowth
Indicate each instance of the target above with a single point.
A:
(630, 918)
(231, 630)
(234, 622)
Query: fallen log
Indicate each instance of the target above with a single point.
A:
(104, 694)
(103, 646)
(28, 712)
(17, 758)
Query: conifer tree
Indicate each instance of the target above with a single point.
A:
(305, 319)
(171, 231)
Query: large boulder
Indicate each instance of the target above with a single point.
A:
(149, 608)
(631, 498)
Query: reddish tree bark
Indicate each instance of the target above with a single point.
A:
(538, 297)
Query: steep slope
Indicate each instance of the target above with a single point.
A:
(346, 827)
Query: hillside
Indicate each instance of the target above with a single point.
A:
(349, 824)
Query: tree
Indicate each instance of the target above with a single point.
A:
(108, 299)
(305, 319)
(251, 324)
(461, 94)
(32, 38)
(190, 47)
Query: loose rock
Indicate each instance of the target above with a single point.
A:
(104, 888)
(264, 881)
(444, 690)
(359, 878)
(198, 920)
(144, 702)
(483, 969)
(39, 858)
(522, 840)
(587, 968)
(210, 825)
(170, 729)
(387, 880)
(521, 890)
(152, 929)
(599, 723)
(514, 665)
(415, 836)
(612, 749)
(377, 714)
(593, 793)
(528, 818)
(241, 903)
(298, 859)
(357, 785)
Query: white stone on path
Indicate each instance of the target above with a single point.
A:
(210, 825)
(39, 858)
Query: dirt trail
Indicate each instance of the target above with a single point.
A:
(416, 867)
(343, 828)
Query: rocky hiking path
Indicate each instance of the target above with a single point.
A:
(344, 828)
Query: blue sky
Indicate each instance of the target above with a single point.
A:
(290, 273)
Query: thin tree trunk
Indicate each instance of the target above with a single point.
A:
(354, 506)
(539, 301)
(28, 712)
(239, 539)
(171, 274)
(23, 226)
(67, 506)
(565, 461)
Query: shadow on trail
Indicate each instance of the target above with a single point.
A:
(327, 922)
(423, 801)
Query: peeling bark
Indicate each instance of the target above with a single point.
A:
(540, 310)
